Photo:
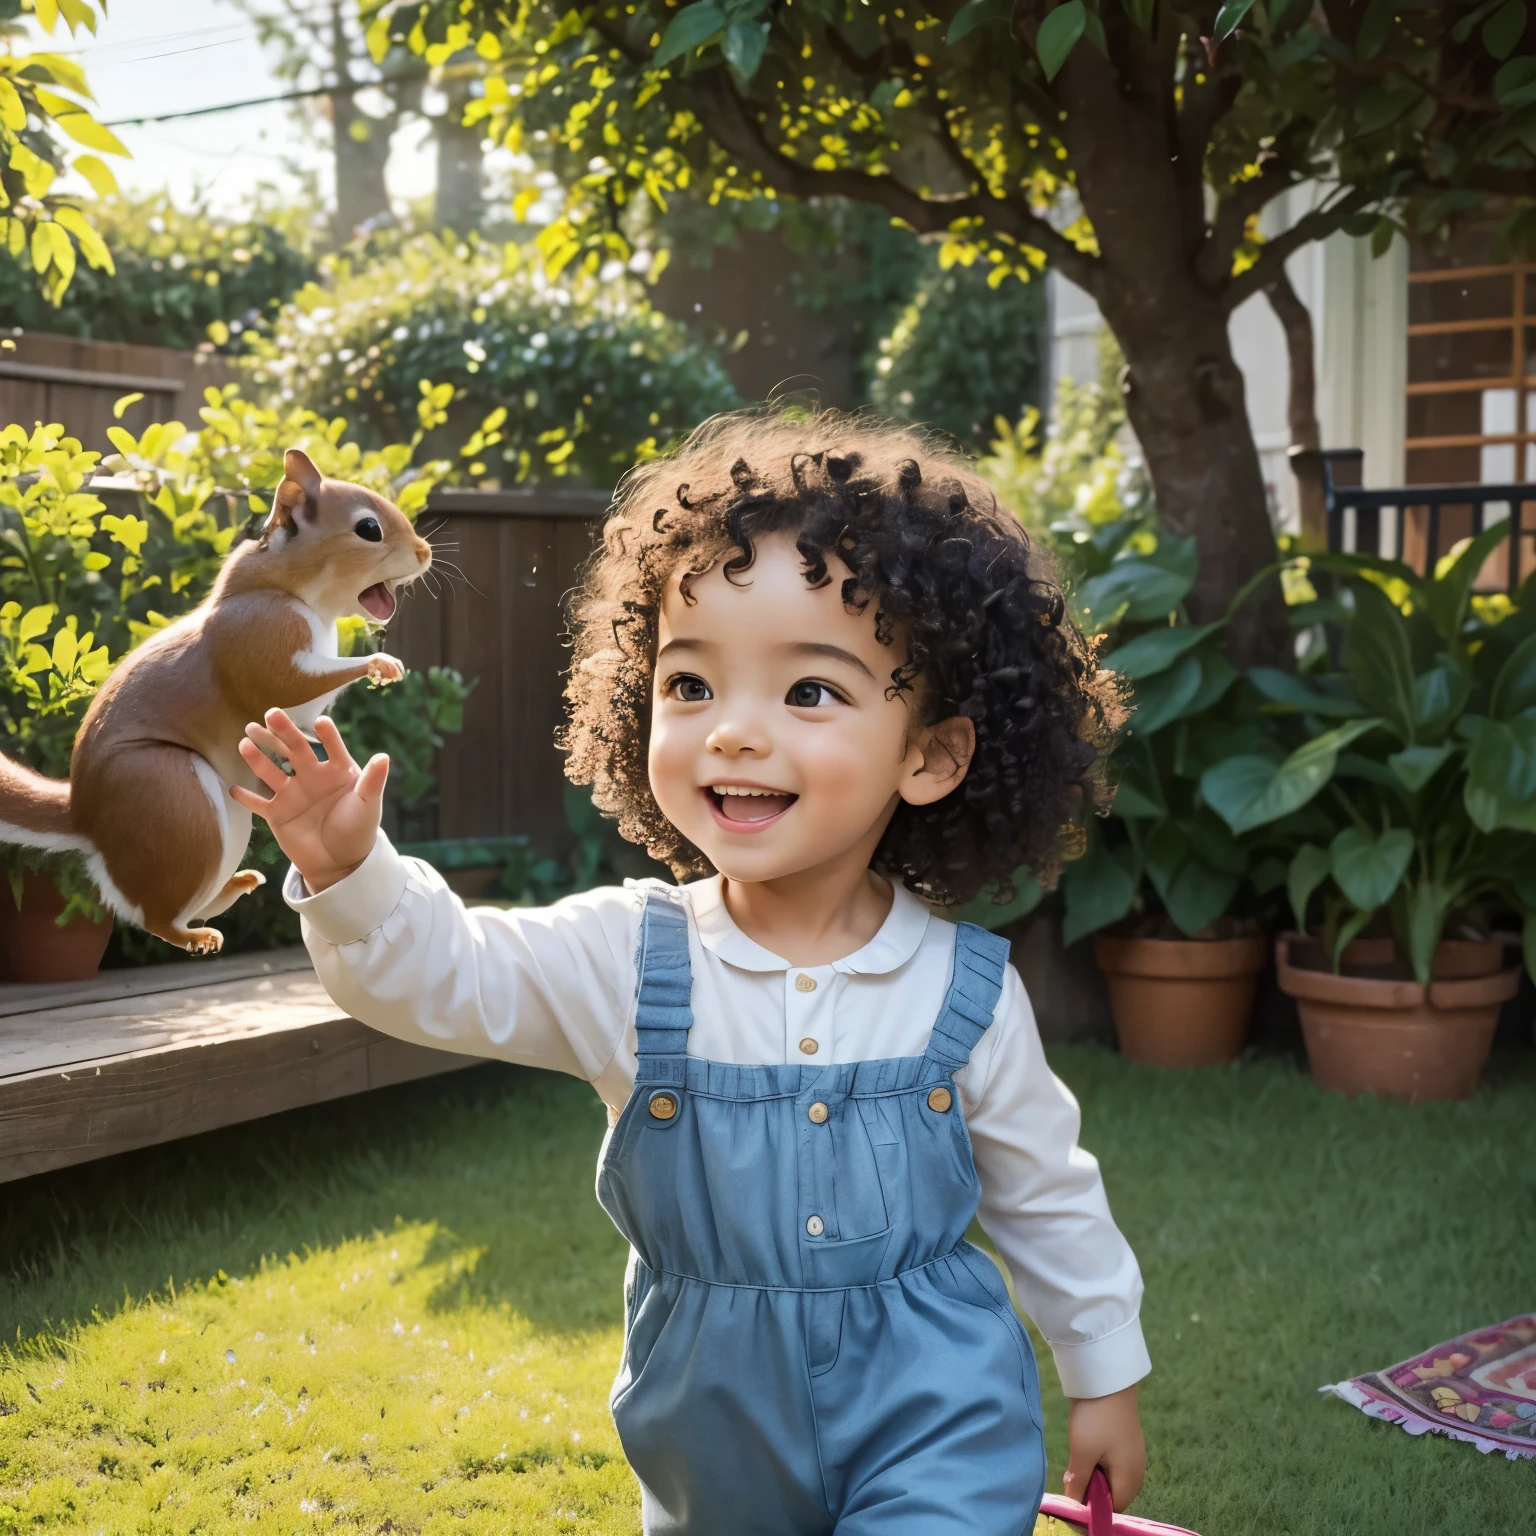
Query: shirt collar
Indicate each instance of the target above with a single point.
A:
(895, 943)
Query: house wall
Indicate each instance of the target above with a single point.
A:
(1359, 309)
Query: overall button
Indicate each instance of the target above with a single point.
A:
(817, 1112)
(805, 983)
(815, 1226)
(809, 1046)
(940, 1100)
(663, 1106)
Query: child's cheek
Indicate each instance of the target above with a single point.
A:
(671, 770)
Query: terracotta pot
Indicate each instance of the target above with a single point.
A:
(1368, 1034)
(472, 883)
(34, 948)
(1181, 1002)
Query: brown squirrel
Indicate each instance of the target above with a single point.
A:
(147, 800)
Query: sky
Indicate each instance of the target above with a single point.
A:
(154, 56)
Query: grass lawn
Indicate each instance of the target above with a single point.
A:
(402, 1313)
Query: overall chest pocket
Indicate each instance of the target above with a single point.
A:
(847, 1160)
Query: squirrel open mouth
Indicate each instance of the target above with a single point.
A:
(378, 601)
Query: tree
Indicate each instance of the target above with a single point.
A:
(323, 46)
(45, 121)
(1166, 128)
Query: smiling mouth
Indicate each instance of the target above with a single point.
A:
(736, 805)
(378, 601)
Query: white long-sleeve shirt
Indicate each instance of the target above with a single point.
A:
(556, 987)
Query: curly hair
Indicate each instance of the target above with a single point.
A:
(976, 622)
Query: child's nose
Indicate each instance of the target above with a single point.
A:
(741, 735)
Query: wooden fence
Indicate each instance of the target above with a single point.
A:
(502, 621)
(63, 379)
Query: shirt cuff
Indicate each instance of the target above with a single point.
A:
(1101, 1366)
(354, 907)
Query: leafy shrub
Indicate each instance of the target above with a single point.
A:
(965, 351)
(181, 279)
(589, 376)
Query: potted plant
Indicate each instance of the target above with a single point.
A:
(1401, 787)
(1167, 891)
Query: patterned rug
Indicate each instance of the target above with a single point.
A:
(1480, 1387)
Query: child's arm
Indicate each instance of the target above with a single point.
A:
(398, 950)
(1043, 1205)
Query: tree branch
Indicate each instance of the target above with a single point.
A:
(1317, 225)
(732, 125)
(1246, 199)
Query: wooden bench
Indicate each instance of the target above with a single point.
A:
(135, 1057)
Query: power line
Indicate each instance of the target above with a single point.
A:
(265, 101)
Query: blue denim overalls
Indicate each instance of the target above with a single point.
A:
(811, 1344)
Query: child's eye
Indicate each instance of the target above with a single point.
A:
(689, 690)
(810, 695)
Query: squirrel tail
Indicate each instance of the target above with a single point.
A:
(35, 810)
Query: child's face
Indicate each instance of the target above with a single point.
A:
(774, 749)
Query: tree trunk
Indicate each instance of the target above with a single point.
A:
(1186, 403)
(459, 201)
(359, 143)
(1301, 410)
(1184, 392)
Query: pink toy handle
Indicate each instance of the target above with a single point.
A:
(1098, 1515)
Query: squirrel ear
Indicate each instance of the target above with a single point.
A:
(300, 486)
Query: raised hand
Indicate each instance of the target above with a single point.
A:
(325, 815)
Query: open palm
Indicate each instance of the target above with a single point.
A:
(324, 815)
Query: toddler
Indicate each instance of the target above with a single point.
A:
(818, 671)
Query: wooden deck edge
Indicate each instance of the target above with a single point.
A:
(54, 1119)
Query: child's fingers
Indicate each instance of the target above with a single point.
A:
(261, 765)
(370, 783)
(295, 745)
(1074, 1481)
(330, 738)
(261, 804)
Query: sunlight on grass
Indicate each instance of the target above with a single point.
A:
(402, 1313)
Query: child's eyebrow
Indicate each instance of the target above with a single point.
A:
(832, 652)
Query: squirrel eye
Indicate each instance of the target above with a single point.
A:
(368, 528)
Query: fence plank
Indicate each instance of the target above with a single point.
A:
(503, 621)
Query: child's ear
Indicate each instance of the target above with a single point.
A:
(938, 758)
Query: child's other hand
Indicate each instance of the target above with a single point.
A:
(1105, 1432)
(325, 816)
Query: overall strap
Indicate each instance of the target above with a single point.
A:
(664, 1013)
(974, 989)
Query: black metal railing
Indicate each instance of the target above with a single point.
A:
(1375, 510)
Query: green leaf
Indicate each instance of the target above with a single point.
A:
(1369, 869)
(1515, 84)
(1514, 689)
(743, 46)
(1468, 23)
(1439, 695)
(1099, 890)
(1147, 587)
(1138, 794)
(1248, 791)
(977, 13)
(1058, 35)
(1166, 697)
(1347, 931)
(1151, 653)
(1375, 27)
(1193, 893)
(1229, 17)
(1501, 775)
(1428, 903)
(1028, 893)
(1527, 943)
(1414, 767)
(1286, 688)
(1504, 29)
(1308, 871)
(1449, 594)
(1379, 658)
(692, 25)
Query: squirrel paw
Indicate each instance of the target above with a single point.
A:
(385, 669)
